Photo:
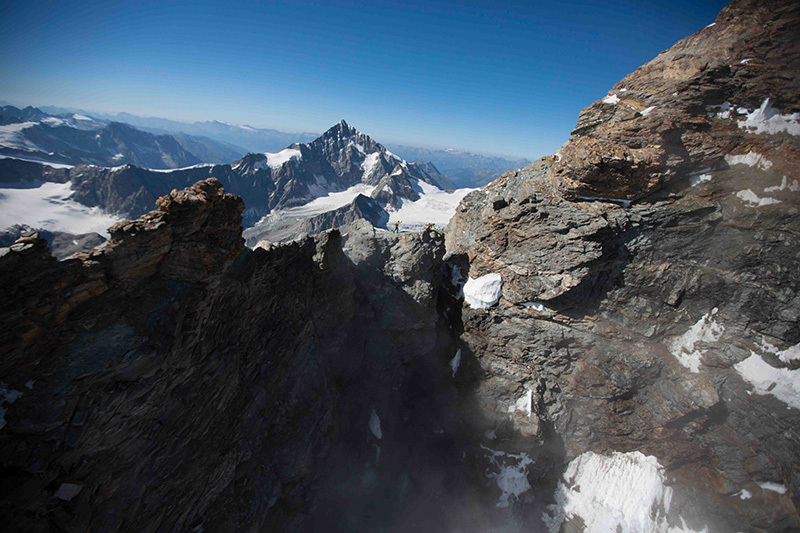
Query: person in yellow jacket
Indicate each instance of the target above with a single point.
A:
(397, 227)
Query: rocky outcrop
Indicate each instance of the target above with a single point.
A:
(665, 326)
(173, 380)
(61, 244)
(690, 107)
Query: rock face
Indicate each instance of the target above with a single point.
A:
(61, 244)
(667, 326)
(690, 107)
(173, 380)
(623, 363)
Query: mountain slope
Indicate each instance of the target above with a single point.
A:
(79, 139)
(342, 162)
(628, 301)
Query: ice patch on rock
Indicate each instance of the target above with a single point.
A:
(68, 491)
(511, 475)
(7, 396)
(750, 198)
(774, 487)
(794, 186)
(524, 404)
(767, 119)
(536, 305)
(483, 292)
(704, 330)
(621, 492)
(751, 159)
(782, 383)
(455, 362)
(375, 425)
(697, 179)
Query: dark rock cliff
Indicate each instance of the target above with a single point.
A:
(174, 380)
(668, 326)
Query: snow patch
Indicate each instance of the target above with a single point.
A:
(647, 111)
(375, 425)
(767, 119)
(745, 494)
(750, 198)
(789, 354)
(12, 136)
(48, 206)
(167, 170)
(794, 186)
(782, 383)
(774, 487)
(524, 404)
(751, 159)
(455, 362)
(483, 292)
(434, 205)
(36, 160)
(511, 475)
(696, 180)
(705, 330)
(329, 202)
(621, 492)
(278, 159)
(611, 99)
(370, 162)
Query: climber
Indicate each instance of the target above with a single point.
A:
(397, 227)
(430, 225)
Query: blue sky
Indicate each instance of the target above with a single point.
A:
(494, 77)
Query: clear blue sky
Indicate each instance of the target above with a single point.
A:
(487, 76)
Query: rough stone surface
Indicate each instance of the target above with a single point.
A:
(185, 382)
(610, 286)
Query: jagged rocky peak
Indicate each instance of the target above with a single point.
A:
(726, 90)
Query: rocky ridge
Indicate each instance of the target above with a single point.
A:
(172, 379)
(647, 302)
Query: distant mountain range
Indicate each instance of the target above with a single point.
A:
(463, 168)
(73, 138)
(339, 177)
